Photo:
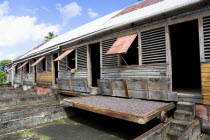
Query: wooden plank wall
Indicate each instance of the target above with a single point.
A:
(73, 82)
(131, 72)
(28, 78)
(44, 77)
(143, 88)
(205, 70)
(79, 74)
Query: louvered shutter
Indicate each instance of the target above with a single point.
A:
(153, 44)
(108, 60)
(206, 33)
(82, 57)
(49, 63)
(62, 63)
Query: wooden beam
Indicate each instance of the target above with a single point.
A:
(168, 55)
(89, 78)
(201, 38)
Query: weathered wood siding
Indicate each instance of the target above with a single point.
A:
(44, 77)
(132, 72)
(79, 74)
(205, 69)
(73, 82)
(146, 82)
(144, 88)
(28, 78)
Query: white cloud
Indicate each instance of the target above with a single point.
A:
(15, 30)
(92, 14)
(33, 11)
(4, 8)
(10, 56)
(69, 11)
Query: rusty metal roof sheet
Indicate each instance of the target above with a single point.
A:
(23, 65)
(121, 45)
(12, 67)
(137, 6)
(39, 60)
(63, 55)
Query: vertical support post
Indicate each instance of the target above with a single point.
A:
(13, 75)
(139, 48)
(75, 58)
(89, 67)
(168, 55)
(201, 39)
(101, 62)
(53, 70)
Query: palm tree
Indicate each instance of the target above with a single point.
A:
(50, 36)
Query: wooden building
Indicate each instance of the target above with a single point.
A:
(154, 49)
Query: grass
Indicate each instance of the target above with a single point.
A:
(27, 133)
(62, 121)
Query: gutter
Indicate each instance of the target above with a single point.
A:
(195, 2)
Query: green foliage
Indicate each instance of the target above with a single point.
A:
(3, 64)
(3, 77)
(50, 36)
(28, 133)
(62, 121)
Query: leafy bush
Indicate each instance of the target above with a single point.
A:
(3, 77)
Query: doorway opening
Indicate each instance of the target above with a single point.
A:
(95, 63)
(186, 73)
(55, 67)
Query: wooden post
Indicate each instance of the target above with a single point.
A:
(53, 70)
(101, 65)
(139, 48)
(168, 55)
(201, 38)
(89, 77)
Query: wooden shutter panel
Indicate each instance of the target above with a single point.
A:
(49, 63)
(62, 63)
(206, 34)
(108, 60)
(153, 43)
(82, 57)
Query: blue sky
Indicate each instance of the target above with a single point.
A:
(24, 23)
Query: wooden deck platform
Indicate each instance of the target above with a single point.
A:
(134, 110)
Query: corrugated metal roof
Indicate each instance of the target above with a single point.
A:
(108, 22)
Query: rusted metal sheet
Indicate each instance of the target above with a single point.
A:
(121, 45)
(137, 6)
(12, 67)
(203, 112)
(64, 55)
(23, 65)
(39, 60)
(42, 90)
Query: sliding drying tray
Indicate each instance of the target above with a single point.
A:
(134, 110)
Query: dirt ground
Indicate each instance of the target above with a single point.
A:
(83, 125)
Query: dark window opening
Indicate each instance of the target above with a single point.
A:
(16, 69)
(55, 66)
(186, 73)
(71, 60)
(27, 67)
(44, 64)
(132, 55)
(95, 63)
